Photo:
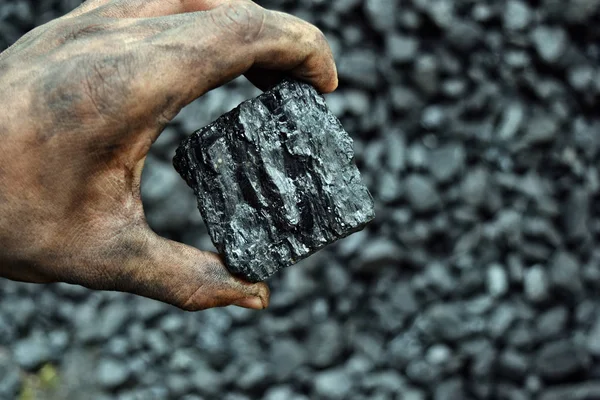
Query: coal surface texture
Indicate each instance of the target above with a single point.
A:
(275, 180)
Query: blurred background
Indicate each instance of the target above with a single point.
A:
(477, 129)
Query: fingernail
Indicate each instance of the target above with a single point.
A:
(253, 302)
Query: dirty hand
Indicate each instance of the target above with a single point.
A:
(82, 99)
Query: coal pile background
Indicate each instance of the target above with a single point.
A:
(477, 129)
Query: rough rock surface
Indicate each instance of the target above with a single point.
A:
(275, 180)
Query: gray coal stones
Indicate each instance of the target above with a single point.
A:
(275, 180)
(489, 289)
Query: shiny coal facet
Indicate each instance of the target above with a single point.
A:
(275, 180)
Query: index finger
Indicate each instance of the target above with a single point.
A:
(143, 8)
(203, 50)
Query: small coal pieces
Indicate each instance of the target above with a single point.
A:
(275, 180)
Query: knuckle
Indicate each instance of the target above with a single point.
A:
(317, 37)
(242, 18)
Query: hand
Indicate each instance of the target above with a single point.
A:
(82, 99)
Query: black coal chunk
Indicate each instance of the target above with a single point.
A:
(276, 180)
